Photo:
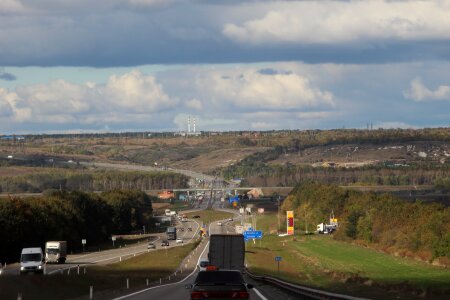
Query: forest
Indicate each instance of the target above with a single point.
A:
(377, 220)
(70, 216)
(91, 181)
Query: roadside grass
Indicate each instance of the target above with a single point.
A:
(209, 215)
(152, 266)
(320, 261)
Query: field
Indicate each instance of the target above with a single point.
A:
(320, 261)
(152, 266)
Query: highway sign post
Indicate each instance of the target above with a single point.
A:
(252, 234)
(83, 241)
(278, 259)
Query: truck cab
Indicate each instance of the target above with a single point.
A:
(32, 260)
(56, 252)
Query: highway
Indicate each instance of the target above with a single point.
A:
(113, 255)
(177, 290)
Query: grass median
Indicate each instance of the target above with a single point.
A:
(152, 266)
(320, 261)
(207, 216)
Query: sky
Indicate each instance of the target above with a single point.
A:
(147, 65)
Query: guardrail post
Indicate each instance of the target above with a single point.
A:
(147, 281)
(84, 270)
(19, 296)
(91, 292)
(160, 281)
(120, 258)
(169, 278)
(78, 270)
(128, 283)
(68, 272)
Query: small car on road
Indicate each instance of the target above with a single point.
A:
(165, 243)
(179, 241)
(151, 246)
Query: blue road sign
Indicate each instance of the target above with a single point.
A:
(277, 258)
(257, 234)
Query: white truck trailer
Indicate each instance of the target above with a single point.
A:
(56, 252)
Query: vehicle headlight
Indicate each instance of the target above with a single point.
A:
(22, 268)
(39, 267)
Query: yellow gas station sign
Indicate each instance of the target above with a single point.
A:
(290, 222)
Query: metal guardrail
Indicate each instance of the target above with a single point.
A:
(301, 290)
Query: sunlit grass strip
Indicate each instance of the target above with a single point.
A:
(321, 262)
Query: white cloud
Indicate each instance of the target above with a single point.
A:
(419, 92)
(394, 125)
(252, 90)
(194, 104)
(137, 93)
(10, 6)
(132, 96)
(326, 22)
(150, 3)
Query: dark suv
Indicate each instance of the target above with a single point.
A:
(165, 243)
(220, 284)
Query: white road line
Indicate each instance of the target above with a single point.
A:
(261, 296)
(159, 286)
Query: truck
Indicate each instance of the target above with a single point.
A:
(171, 233)
(323, 228)
(32, 260)
(56, 252)
(227, 251)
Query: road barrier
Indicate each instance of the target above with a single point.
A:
(301, 290)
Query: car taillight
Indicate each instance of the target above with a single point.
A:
(215, 294)
(241, 295)
(198, 295)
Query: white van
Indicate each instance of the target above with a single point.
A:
(203, 264)
(32, 260)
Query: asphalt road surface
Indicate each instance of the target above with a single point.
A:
(177, 290)
(114, 255)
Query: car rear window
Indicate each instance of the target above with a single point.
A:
(217, 277)
(204, 264)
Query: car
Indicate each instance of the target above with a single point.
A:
(165, 243)
(151, 246)
(203, 263)
(219, 284)
(195, 217)
(230, 219)
(219, 223)
(179, 241)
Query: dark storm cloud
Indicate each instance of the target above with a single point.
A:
(117, 33)
(7, 76)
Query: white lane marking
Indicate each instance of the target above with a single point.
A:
(159, 286)
(259, 294)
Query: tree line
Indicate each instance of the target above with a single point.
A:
(70, 216)
(92, 181)
(369, 175)
(378, 220)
